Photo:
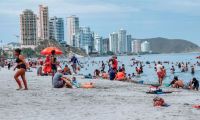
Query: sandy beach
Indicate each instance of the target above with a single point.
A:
(108, 101)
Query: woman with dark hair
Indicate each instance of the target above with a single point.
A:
(22, 66)
(53, 62)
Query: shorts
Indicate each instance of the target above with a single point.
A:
(21, 66)
(59, 84)
(54, 68)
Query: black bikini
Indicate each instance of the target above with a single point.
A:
(22, 65)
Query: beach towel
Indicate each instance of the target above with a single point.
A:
(163, 92)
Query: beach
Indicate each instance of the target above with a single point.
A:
(109, 100)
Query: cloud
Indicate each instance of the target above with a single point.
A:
(64, 7)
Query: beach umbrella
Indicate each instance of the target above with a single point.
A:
(47, 51)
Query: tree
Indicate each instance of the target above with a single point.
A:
(28, 52)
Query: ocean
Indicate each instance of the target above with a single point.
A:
(149, 75)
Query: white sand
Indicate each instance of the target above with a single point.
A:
(108, 101)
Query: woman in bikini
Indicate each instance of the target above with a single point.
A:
(21, 66)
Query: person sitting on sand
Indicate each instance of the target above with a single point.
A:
(120, 76)
(66, 70)
(59, 81)
(176, 83)
(194, 84)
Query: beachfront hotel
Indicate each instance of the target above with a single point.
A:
(145, 46)
(28, 29)
(56, 29)
(85, 39)
(43, 25)
(136, 46)
(129, 40)
(72, 30)
(113, 42)
(122, 43)
(98, 43)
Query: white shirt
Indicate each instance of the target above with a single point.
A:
(159, 67)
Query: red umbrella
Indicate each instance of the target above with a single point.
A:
(47, 51)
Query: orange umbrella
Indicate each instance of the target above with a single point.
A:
(47, 51)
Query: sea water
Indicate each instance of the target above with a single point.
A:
(149, 75)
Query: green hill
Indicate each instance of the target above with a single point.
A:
(164, 45)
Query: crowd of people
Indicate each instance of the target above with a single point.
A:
(51, 66)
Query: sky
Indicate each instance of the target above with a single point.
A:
(173, 19)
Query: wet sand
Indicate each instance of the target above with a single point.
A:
(108, 101)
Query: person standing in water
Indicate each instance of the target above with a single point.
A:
(74, 61)
(192, 70)
(21, 66)
(159, 71)
(102, 66)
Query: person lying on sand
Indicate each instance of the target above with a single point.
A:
(75, 84)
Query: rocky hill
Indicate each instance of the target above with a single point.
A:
(67, 50)
(163, 45)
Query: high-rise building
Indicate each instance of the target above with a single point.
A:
(145, 46)
(56, 29)
(84, 39)
(113, 42)
(97, 43)
(28, 28)
(137, 46)
(122, 41)
(129, 43)
(72, 30)
(43, 28)
(104, 45)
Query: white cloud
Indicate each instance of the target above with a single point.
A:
(63, 7)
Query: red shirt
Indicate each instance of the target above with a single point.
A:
(115, 64)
